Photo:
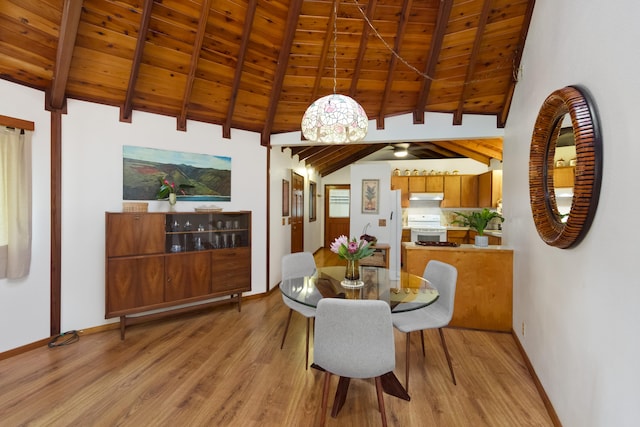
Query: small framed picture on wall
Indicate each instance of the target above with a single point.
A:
(370, 196)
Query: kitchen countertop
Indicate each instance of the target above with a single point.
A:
(462, 247)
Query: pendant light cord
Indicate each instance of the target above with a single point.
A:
(335, 45)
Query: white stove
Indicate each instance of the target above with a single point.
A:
(426, 228)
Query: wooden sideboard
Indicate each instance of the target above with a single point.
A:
(159, 260)
(484, 291)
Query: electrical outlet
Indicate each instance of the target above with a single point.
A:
(522, 328)
(382, 222)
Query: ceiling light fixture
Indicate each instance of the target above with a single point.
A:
(335, 119)
(400, 151)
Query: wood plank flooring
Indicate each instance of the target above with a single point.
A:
(225, 368)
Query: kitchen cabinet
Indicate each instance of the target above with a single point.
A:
(401, 183)
(484, 293)
(563, 177)
(160, 260)
(489, 189)
(493, 240)
(460, 191)
(458, 236)
(452, 191)
(426, 184)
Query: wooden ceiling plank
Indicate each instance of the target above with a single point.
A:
(402, 27)
(323, 54)
(482, 22)
(127, 107)
(524, 30)
(193, 65)
(347, 160)
(434, 53)
(283, 59)
(66, 42)
(242, 53)
(364, 38)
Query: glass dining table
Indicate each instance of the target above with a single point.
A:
(402, 291)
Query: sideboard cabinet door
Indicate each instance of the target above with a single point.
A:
(135, 234)
(231, 270)
(134, 283)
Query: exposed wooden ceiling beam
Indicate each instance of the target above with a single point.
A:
(283, 59)
(193, 65)
(450, 145)
(434, 53)
(127, 107)
(328, 37)
(338, 164)
(68, 32)
(235, 87)
(402, 27)
(473, 58)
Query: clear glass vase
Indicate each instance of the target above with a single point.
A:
(352, 273)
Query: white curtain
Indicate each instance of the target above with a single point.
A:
(15, 202)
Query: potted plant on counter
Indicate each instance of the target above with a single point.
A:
(478, 221)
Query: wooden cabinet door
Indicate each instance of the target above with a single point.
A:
(417, 184)
(401, 183)
(187, 275)
(135, 234)
(458, 236)
(452, 192)
(133, 283)
(489, 189)
(468, 191)
(231, 270)
(563, 177)
(434, 184)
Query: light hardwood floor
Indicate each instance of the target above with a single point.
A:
(225, 368)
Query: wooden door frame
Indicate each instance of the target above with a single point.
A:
(327, 188)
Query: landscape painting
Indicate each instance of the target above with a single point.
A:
(196, 177)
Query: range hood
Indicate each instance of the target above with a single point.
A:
(426, 196)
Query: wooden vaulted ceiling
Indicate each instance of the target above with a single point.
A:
(258, 64)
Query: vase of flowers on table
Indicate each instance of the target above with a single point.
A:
(168, 190)
(351, 251)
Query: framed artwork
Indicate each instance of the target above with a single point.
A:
(370, 196)
(313, 194)
(205, 177)
(285, 197)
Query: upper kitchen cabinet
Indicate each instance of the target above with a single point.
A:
(460, 191)
(401, 183)
(426, 184)
(489, 189)
(563, 177)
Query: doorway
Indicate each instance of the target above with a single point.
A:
(297, 213)
(337, 199)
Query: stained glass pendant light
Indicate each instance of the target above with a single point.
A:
(335, 119)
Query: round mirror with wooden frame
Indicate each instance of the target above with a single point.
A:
(555, 228)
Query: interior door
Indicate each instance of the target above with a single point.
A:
(336, 212)
(297, 213)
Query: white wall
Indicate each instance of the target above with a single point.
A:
(92, 140)
(24, 303)
(580, 306)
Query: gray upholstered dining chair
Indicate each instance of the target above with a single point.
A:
(443, 277)
(298, 264)
(354, 339)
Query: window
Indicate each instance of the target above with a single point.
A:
(15, 202)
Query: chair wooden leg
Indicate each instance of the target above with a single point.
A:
(446, 353)
(406, 363)
(286, 328)
(325, 397)
(422, 338)
(383, 413)
(306, 356)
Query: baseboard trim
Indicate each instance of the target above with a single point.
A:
(543, 394)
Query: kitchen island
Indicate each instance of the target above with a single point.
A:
(484, 291)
